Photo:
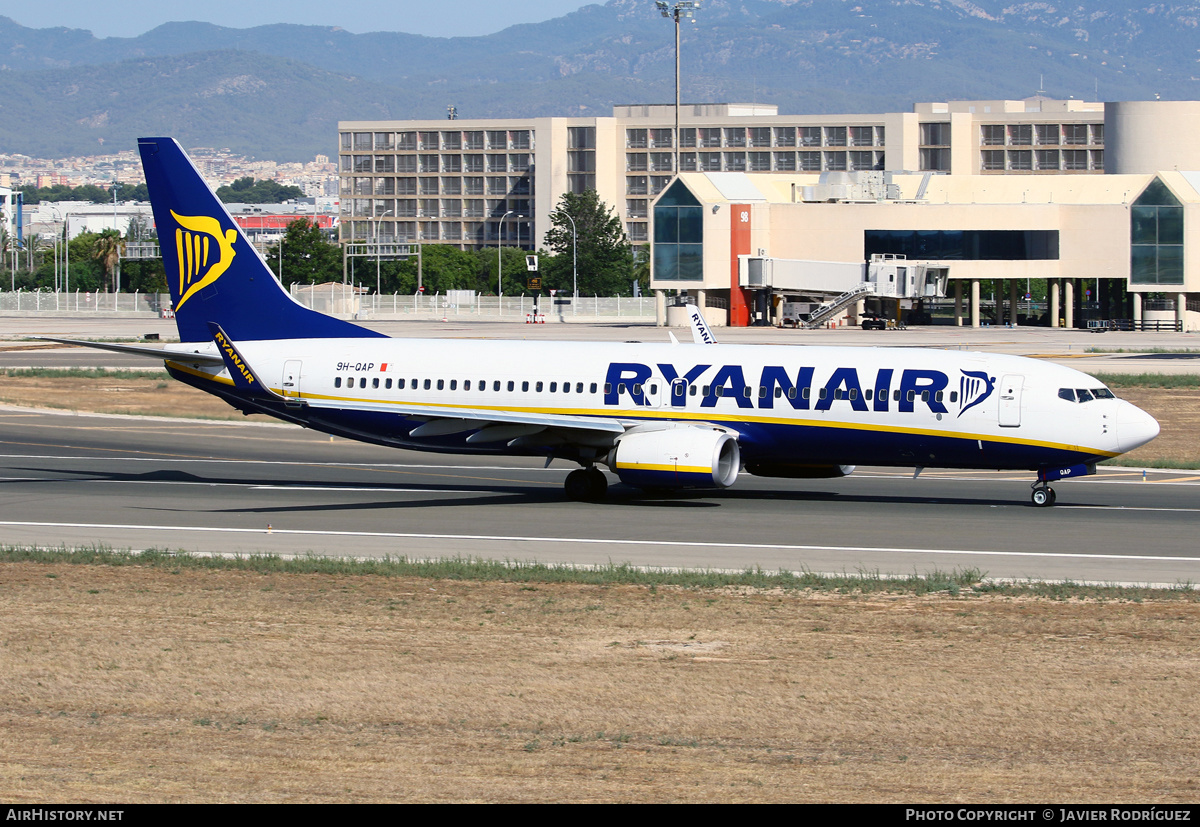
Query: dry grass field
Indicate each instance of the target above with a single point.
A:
(143, 684)
(152, 684)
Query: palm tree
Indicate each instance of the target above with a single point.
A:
(107, 250)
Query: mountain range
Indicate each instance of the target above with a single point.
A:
(278, 91)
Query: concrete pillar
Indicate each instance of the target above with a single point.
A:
(1137, 310)
(660, 307)
(701, 299)
(1180, 307)
(958, 302)
(974, 302)
(1069, 302)
(1013, 301)
(1055, 286)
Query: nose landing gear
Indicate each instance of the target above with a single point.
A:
(1043, 495)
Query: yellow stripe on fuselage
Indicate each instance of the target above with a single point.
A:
(733, 419)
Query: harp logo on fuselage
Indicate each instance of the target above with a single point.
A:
(204, 252)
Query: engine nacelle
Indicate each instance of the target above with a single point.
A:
(798, 471)
(691, 457)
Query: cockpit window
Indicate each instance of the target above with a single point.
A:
(1085, 394)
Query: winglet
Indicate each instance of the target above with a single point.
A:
(244, 377)
(701, 335)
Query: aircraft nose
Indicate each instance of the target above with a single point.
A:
(1135, 427)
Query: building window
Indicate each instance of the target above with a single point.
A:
(1020, 159)
(992, 134)
(835, 136)
(1020, 134)
(1047, 159)
(1047, 134)
(636, 138)
(1156, 237)
(964, 245)
(993, 159)
(678, 236)
(581, 137)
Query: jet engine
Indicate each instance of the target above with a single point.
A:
(690, 457)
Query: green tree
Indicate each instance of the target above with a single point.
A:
(248, 191)
(601, 249)
(308, 256)
(84, 270)
(107, 249)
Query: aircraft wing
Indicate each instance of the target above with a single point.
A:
(190, 357)
(448, 420)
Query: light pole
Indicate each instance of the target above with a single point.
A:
(378, 281)
(117, 283)
(687, 9)
(500, 257)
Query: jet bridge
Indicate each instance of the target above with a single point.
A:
(831, 286)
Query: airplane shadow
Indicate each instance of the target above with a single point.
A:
(467, 495)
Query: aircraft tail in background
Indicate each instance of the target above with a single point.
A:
(214, 274)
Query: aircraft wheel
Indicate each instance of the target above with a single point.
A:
(1043, 497)
(586, 485)
(578, 485)
(599, 484)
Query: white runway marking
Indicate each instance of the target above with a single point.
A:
(609, 541)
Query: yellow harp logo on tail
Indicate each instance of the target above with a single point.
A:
(205, 252)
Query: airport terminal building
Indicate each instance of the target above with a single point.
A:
(1093, 197)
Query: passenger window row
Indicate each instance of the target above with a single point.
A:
(453, 384)
(678, 389)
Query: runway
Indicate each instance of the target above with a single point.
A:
(216, 487)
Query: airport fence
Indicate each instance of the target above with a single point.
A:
(347, 302)
(83, 301)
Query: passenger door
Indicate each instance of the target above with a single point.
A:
(291, 382)
(1010, 401)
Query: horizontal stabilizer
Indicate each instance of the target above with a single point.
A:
(189, 356)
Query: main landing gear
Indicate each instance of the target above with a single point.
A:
(586, 485)
(1043, 495)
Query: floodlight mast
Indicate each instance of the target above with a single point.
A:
(681, 9)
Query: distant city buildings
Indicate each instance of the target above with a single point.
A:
(452, 182)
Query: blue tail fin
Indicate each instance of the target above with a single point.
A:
(213, 272)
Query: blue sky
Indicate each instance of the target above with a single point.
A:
(127, 18)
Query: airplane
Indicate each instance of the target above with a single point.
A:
(660, 417)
